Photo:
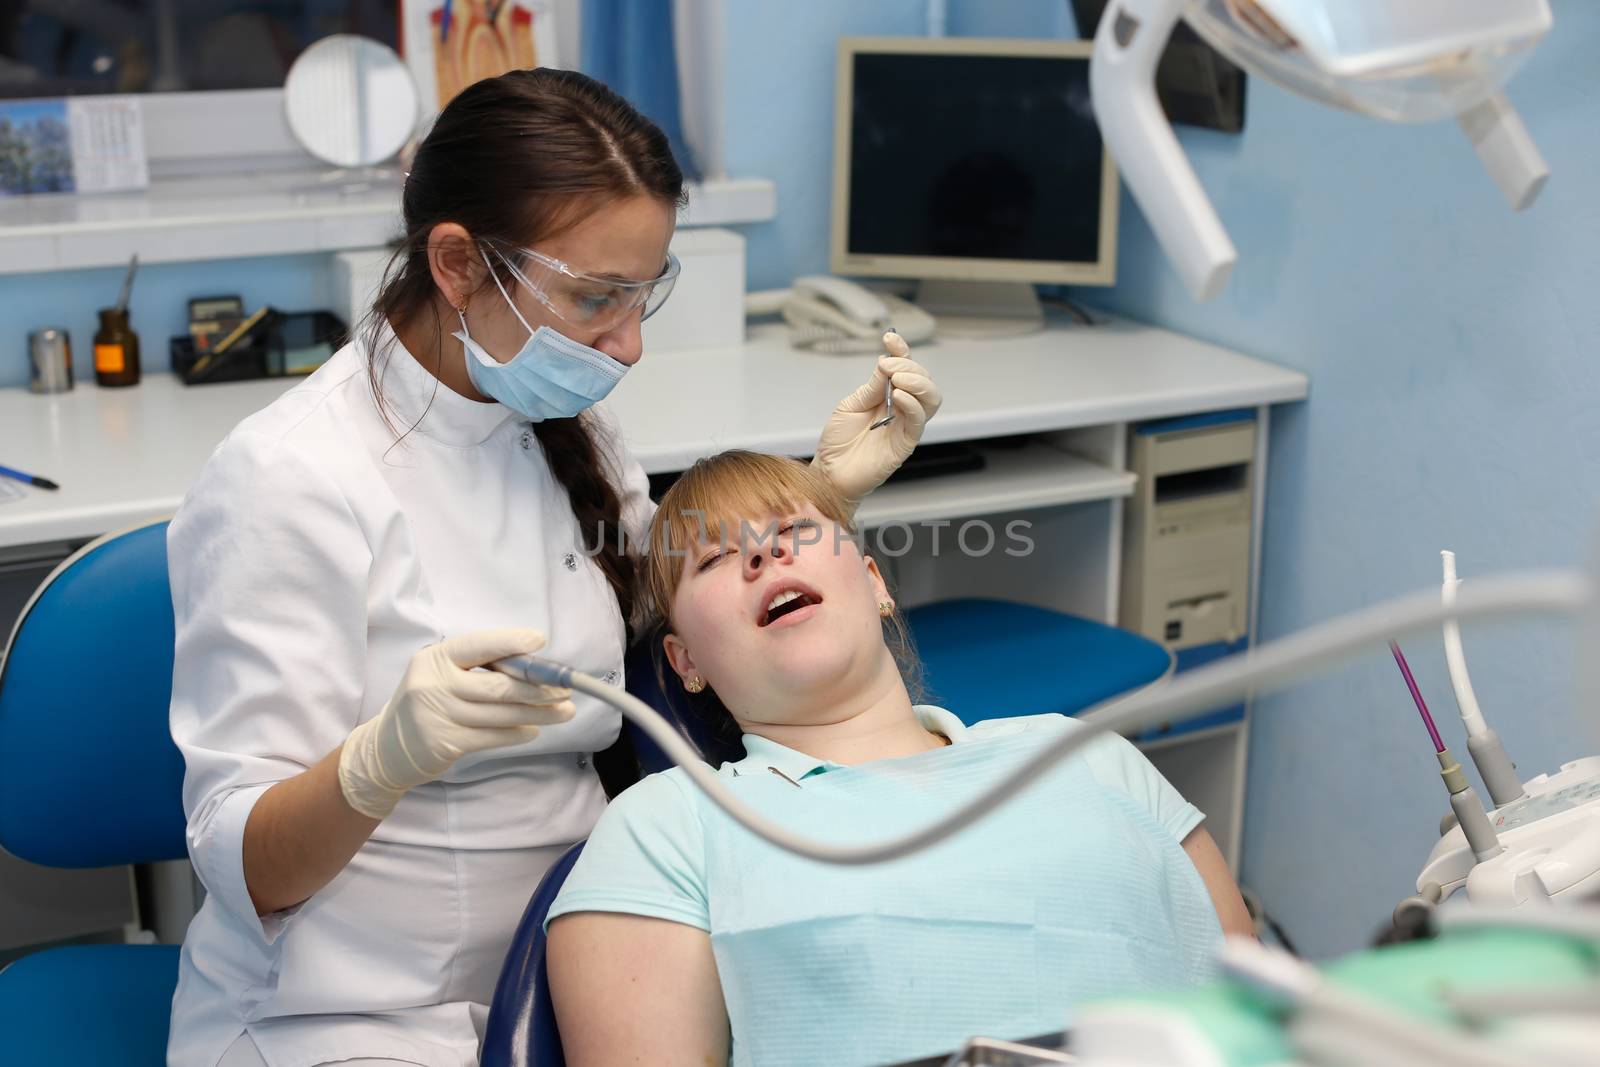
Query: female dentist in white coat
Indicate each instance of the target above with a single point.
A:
(368, 813)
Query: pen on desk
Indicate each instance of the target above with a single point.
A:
(42, 483)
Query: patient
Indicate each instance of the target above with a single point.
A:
(680, 938)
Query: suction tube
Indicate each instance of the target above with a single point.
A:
(1483, 744)
(1264, 668)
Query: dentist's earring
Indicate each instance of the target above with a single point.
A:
(695, 684)
(885, 608)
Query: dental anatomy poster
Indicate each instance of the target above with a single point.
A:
(449, 44)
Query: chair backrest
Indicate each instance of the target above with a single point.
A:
(521, 1029)
(89, 774)
(716, 746)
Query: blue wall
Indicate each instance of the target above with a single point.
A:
(1451, 346)
(158, 309)
(778, 119)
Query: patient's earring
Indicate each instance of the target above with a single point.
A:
(885, 608)
(695, 684)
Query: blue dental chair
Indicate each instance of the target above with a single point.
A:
(90, 777)
(521, 1029)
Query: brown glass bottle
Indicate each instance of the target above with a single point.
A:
(116, 349)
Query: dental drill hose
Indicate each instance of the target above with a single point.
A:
(1564, 592)
(1483, 744)
(1481, 838)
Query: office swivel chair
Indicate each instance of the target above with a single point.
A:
(90, 777)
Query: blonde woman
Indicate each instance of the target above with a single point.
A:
(679, 938)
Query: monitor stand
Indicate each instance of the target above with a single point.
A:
(981, 309)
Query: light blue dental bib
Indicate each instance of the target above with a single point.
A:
(1072, 890)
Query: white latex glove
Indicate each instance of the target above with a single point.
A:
(442, 710)
(857, 458)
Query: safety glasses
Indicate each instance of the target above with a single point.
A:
(594, 303)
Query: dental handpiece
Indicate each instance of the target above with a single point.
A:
(1266, 668)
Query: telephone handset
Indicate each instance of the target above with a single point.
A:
(828, 314)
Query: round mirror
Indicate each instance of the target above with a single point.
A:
(350, 101)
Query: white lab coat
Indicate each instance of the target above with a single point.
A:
(312, 558)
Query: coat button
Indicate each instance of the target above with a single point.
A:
(583, 762)
(570, 561)
(526, 440)
(612, 677)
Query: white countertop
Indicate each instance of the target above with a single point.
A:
(126, 455)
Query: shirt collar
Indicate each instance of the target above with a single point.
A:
(762, 752)
(417, 399)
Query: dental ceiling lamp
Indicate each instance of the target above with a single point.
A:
(1401, 60)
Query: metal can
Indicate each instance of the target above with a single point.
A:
(49, 361)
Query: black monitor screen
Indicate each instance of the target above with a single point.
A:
(984, 157)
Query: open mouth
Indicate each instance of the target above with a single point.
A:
(788, 602)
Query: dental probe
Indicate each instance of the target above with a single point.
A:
(888, 398)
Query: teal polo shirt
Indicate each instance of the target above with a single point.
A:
(1078, 887)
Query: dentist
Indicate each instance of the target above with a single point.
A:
(368, 812)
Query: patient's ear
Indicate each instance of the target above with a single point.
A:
(880, 588)
(678, 657)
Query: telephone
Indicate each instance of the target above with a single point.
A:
(832, 315)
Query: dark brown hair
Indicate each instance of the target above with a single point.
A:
(518, 159)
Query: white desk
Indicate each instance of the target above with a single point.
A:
(126, 455)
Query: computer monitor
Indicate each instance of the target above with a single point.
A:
(975, 166)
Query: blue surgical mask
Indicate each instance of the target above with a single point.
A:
(552, 377)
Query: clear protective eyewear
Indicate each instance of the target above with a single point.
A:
(594, 303)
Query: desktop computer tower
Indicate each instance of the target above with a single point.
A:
(1186, 530)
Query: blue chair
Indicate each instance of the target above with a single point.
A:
(521, 1029)
(90, 777)
(716, 744)
(988, 659)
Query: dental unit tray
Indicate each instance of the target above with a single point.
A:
(1551, 838)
